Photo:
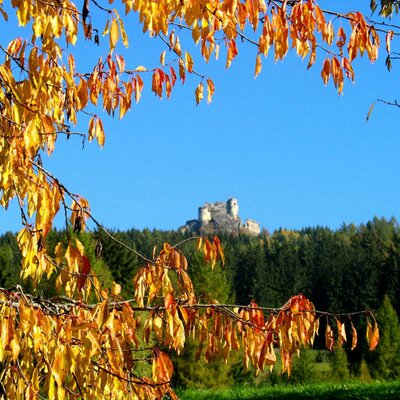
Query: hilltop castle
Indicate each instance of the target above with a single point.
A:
(221, 216)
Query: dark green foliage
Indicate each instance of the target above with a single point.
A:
(339, 364)
(304, 368)
(386, 7)
(348, 269)
(9, 260)
(384, 362)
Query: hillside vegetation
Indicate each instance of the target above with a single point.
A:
(352, 268)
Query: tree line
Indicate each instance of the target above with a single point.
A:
(343, 270)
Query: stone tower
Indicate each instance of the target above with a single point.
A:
(232, 207)
(205, 214)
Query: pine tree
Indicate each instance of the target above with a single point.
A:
(384, 362)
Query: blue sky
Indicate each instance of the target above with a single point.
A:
(292, 151)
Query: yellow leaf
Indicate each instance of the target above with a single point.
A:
(162, 58)
(116, 289)
(177, 47)
(196, 32)
(199, 243)
(100, 132)
(140, 68)
(15, 348)
(102, 313)
(124, 36)
(82, 93)
(199, 93)
(52, 388)
(91, 130)
(106, 28)
(189, 62)
(113, 34)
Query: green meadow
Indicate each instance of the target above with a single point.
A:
(334, 391)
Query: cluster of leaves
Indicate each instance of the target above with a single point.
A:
(47, 346)
(42, 94)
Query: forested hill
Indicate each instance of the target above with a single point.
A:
(351, 268)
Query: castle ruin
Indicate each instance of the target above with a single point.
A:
(221, 217)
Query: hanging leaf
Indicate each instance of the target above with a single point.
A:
(369, 112)
(329, 338)
(372, 335)
(113, 34)
(258, 66)
(210, 90)
(84, 272)
(199, 93)
(162, 58)
(85, 10)
(354, 337)
(326, 71)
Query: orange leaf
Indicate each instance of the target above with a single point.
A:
(258, 66)
(326, 71)
(341, 35)
(320, 18)
(162, 367)
(182, 73)
(173, 75)
(169, 301)
(120, 62)
(341, 333)
(372, 335)
(189, 62)
(232, 53)
(210, 90)
(199, 93)
(354, 338)
(329, 339)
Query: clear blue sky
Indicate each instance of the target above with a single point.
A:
(292, 151)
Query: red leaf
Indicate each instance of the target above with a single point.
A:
(84, 272)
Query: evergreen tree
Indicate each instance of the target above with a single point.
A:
(384, 362)
(210, 284)
(339, 364)
(9, 261)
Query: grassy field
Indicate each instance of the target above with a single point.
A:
(364, 391)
